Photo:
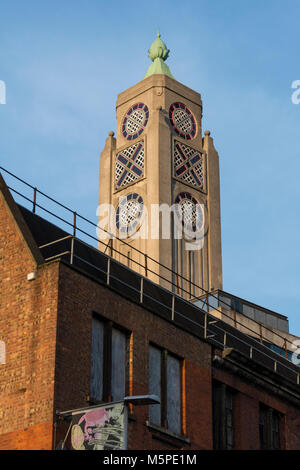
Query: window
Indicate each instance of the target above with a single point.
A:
(269, 428)
(165, 372)
(223, 416)
(229, 418)
(108, 362)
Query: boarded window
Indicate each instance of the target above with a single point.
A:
(97, 360)
(165, 381)
(155, 383)
(174, 394)
(118, 355)
(108, 362)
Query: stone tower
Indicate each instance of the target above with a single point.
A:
(159, 159)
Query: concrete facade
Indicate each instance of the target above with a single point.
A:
(159, 185)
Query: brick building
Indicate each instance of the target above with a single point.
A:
(83, 326)
(220, 388)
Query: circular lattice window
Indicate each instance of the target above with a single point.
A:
(135, 121)
(129, 213)
(182, 120)
(189, 213)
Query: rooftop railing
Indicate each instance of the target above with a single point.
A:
(210, 326)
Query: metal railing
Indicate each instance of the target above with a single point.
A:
(212, 329)
(75, 228)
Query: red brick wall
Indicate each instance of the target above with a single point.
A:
(28, 327)
(46, 325)
(78, 298)
(247, 412)
(36, 437)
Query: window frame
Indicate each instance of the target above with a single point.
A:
(164, 386)
(267, 434)
(220, 412)
(108, 327)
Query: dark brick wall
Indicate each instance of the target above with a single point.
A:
(79, 297)
(46, 324)
(248, 398)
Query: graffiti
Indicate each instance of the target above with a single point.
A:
(99, 429)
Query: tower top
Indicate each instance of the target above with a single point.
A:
(158, 53)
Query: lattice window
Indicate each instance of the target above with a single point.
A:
(135, 121)
(189, 165)
(129, 165)
(190, 212)
(182, 120)
(129, 212)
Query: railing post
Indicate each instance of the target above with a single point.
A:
(141, 290)
(260, 334)
(146, 265)
(34, 200)
(285, 348)
(234, 317)
(72, 251)
(205, 325)
(108, 271)
(173, 307)
(177, 283)
(74, 223)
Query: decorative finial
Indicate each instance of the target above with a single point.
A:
(158, 53)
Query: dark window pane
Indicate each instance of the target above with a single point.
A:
(223, 417)
(263, 427)
(269, 429)
(275, 433)
(173, 394)
(118, 363)
(97, 360)
(229, 431)
(155, 383)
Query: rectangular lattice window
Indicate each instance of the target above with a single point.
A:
(129, 166)
(189, 165)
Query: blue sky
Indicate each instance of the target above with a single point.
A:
(64, 62)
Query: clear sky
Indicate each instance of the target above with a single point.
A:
(65, 61)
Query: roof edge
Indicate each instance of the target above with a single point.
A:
(20, 222)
